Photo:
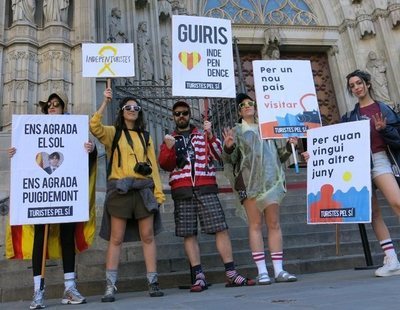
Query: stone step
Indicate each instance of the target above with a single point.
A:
(171, 257)
(307, 248)
(128, 282)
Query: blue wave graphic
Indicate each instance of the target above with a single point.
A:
(359, 200)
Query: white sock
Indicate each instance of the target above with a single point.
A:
(69, 280)
(36, 282)
(388, 248)
(277, 259)
(259, 259)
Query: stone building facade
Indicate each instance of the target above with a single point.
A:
(41, 53)
(40, 48)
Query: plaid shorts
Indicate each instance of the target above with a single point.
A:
(205, 206)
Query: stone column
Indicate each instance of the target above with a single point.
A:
(55, 62)
(84, 89)
(20, 72)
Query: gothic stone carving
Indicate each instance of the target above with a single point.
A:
(23, 10)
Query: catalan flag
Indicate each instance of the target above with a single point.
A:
(189, 60)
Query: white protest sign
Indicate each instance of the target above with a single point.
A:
(49, 172)
(286, 100)
(339, 174)
(108, 60)
(202, 57)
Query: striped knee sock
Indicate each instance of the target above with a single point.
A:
(232, 274)
(259, 259)
(230, 270)
(198, 272)
(277, 261)
(388, 248)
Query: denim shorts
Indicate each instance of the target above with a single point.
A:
(381, 164)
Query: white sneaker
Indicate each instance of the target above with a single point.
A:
(391, 267)
(38, 300)
(109, 295)
(72, 297)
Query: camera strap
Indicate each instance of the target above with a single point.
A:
(144, 141)
(114, 146)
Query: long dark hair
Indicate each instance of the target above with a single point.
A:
(365, 76)
(140, 124)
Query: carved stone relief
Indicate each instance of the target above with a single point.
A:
(364, 21)
(164, 9)
(116, 35)
(178, 7)
(56, 11)
(23, 10)
(377, 68)
(394, 12)
(166, 57)
(145, 53)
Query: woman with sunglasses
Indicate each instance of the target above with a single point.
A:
(254, 168)
(64, 239)
(134, 190)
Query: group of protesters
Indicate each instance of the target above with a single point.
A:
(254, 166)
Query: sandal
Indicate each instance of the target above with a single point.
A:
(263, 279)
(238, 280)
(199, 286)
(285, 276)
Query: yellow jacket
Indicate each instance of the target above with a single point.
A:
(105, 134)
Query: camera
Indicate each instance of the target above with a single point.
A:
(143, 168)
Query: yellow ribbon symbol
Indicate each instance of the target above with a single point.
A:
(107, 65)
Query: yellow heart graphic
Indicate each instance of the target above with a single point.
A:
(189, 60)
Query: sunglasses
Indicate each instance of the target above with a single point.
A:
(132, 108)
(55, 104)
(248, 103)
(179, 113)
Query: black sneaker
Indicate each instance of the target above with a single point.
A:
(154, 290)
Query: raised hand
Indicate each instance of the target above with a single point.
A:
(229, 137)
(169, 141)
(379, 121)
(207, 129)
(107, 95)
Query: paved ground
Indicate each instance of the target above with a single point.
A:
(345, 289)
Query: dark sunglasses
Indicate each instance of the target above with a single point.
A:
(132, 108)
(55, 104)
(179, 113)
(248, 103)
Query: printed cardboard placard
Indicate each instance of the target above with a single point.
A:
(108, 60)
(202, 57)
(49, 172)
(339, 174)
(287, 104)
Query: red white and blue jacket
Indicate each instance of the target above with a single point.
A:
(176, 160)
